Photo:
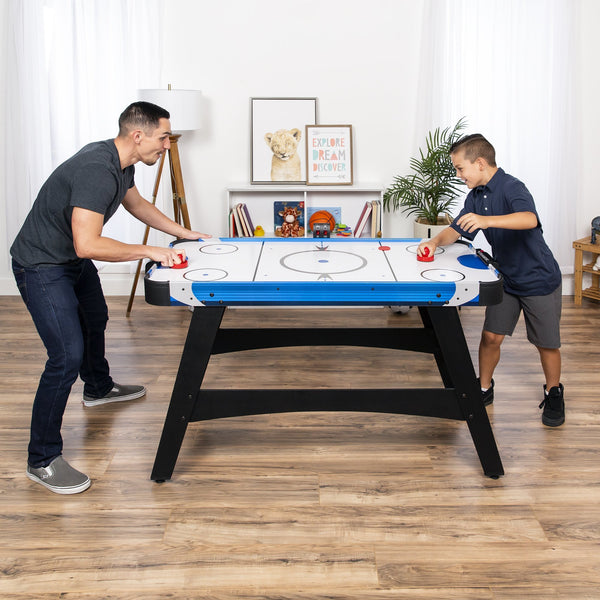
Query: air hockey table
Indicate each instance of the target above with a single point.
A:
(325, 272)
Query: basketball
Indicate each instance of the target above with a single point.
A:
(321, 216)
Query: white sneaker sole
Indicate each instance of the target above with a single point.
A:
(75, 489)
(98, 401)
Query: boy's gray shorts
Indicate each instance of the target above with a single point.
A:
(542, 317)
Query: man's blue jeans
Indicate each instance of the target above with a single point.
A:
(68, 308)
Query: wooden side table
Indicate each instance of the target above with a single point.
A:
(593, 292)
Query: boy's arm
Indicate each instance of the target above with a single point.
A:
(443, 238)
(471, 222)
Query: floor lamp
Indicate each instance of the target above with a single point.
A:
(184, 107)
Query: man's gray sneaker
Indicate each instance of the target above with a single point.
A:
(60, 477)
(119, 393)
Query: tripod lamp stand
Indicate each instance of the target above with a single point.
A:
(184, 107)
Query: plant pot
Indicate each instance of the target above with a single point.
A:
(427, 230)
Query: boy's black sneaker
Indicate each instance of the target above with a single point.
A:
(554, 406)
(488, 395)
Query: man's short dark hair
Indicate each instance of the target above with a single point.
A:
(475, 146)
(141, 115)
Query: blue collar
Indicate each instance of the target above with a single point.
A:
(493, 183)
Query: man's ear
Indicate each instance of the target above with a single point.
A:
(137, 135)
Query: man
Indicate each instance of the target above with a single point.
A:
(501, 206)
(52, 263)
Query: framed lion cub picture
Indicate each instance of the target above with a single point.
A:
(278, 145)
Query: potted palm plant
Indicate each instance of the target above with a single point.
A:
(433, 188)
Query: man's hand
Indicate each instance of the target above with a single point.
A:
(149, 214)
(167, 257)
(194, 235)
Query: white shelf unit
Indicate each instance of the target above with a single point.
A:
(259, 199)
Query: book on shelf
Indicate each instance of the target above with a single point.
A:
(373, 218)
(363, 219)
(376, 219)
(239, 226)
(242, 217)
(248, 220)
(232, 227)
(238, 222)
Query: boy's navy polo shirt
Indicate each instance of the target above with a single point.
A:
(523, 257)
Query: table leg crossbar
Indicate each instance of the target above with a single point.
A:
(441, 335)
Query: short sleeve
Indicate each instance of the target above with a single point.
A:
(93, 187)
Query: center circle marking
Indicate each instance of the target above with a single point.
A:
(337, 262)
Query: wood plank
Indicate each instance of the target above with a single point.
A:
(303, 506)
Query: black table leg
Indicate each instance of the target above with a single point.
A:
(192, 367)
(442, 335)
(455, 364)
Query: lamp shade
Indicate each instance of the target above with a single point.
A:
(183, 105)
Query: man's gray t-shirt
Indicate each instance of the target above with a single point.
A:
(91, 179)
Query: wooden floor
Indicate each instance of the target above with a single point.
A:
(307, 505)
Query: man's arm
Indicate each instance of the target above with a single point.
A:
(89, 242)
(147, 213)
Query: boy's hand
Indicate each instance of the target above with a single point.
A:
(427, 244)
(471, 222)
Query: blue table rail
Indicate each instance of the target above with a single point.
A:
(325, 272)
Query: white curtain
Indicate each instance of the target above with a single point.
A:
(508, 66)
(72, 67)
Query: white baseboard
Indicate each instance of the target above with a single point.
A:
(113, 284)
(8, 287)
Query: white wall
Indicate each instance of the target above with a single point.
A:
(361, 60)
(361, 63)
(588, 204)
(7, 284)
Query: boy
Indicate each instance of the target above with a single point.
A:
(501, 206)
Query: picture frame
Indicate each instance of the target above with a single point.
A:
(329, 155)
(277, 147)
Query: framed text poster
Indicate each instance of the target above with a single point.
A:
(329, 154)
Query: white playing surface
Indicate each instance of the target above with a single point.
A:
(319, 260)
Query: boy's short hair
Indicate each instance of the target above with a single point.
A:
(475, 146)
(141, 115)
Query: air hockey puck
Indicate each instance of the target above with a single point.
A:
(183, 264)
(425, 257)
